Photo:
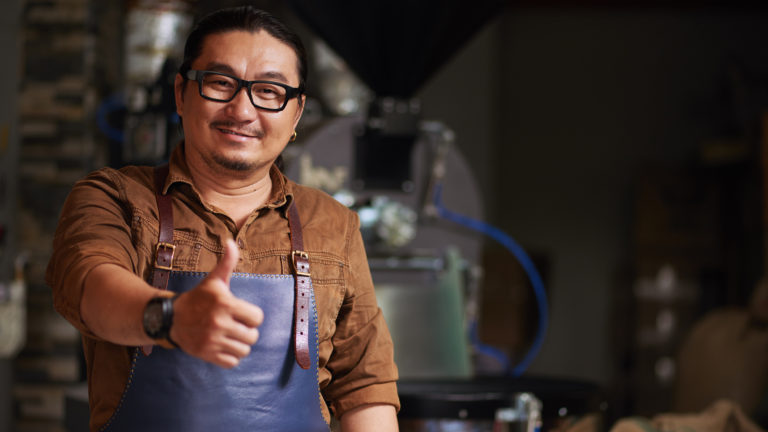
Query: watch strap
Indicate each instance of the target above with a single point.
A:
(166, 308)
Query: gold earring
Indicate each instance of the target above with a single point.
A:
(293, 138)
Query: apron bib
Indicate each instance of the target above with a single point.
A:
(170, 390)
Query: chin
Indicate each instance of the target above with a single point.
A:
(234, 163)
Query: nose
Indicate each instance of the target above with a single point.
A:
(240, 108)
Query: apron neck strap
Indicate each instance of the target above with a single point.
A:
(303, 288)
(165, 248)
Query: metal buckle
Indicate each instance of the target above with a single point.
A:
(164, 245)
(302, 254)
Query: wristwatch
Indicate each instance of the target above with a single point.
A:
(158, 318)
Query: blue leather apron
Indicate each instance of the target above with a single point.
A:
(270, 390)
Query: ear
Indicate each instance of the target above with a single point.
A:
(299, 111)
(178, 91)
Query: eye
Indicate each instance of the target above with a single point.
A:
(219, 82)
(267, 91)
(223, 83)
(264, 90)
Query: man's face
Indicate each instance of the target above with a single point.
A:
(235, 136)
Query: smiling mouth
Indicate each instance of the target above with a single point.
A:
(236, 133)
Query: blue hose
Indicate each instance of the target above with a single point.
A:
(528, 266)
(110, 104)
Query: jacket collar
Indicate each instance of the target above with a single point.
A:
(282, 190)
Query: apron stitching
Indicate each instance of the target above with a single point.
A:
(244, 275)
(127, 387)
(317, 348)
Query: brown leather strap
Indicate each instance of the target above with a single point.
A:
(303, 284)
(165, 248)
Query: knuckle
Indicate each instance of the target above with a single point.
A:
(204, 343)
(219, 321)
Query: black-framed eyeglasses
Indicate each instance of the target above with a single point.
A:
(221, 87)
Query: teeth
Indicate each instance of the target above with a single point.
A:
(233, 132)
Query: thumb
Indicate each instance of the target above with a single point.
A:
(226, 265)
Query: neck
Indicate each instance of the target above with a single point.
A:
(236, 194)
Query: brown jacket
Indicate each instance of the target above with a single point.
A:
(111, 217)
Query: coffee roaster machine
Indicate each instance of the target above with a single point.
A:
(401, 172)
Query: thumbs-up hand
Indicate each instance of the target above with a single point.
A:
(211, 323)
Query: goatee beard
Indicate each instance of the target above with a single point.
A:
(238, 165)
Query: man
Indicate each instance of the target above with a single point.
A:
(284, 324)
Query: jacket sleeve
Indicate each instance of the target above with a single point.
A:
(362, 362)
(94, 228)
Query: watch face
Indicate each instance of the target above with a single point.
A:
(153, 319)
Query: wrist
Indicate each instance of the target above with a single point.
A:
(157, 319)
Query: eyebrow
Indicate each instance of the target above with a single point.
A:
(225, 68)
(275, 75)
(220, 67)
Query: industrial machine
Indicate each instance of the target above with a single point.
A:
(420, 207)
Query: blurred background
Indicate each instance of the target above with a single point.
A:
(563, 200)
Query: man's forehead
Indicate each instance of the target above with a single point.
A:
(239, 49)
(244, 43)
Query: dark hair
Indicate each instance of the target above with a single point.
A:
(245, 18)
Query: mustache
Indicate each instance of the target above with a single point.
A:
(232, 127)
